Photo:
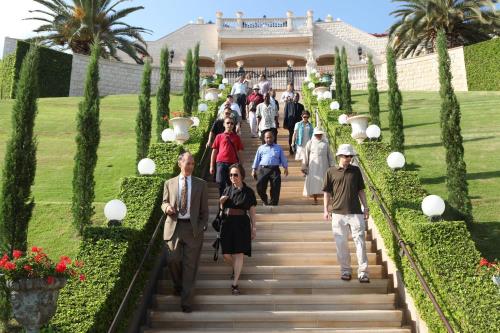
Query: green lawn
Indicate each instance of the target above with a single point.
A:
(425, 153)
(55, 128)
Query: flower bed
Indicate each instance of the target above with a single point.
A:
(444, 251)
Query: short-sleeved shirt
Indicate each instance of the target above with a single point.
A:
(243, 198)
(268, 114)
(226, 153)
(344, 185)
(253, 100)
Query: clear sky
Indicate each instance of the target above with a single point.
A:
(165, 16)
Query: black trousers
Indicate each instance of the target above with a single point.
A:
(273, 130)
(241, 100)
(222, 176)
(270, 175)
(290, 135)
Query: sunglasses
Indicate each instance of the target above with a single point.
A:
(234, 175)
(305, 117)
(346, 156)
(229, 123)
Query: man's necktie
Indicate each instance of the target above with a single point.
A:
(184, 194)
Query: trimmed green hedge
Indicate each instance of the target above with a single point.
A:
(111, 255)
(444, 250)
(482, 61)
(7, 70)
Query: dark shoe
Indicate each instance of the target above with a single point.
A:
(177, 291)
(186, 309)
(235, 290)
(346, 276)
(364, 278)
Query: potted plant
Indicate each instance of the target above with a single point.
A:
(34, 282)
(322, 82)
(491, 267)
(181, 125)
(212, 84)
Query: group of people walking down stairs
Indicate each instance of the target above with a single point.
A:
(185, 197)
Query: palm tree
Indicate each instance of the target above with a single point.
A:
(464, 22)
(74, 26)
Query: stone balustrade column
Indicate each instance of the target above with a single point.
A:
(310, 20)
(218, 21)
(239, 21)
(289, 20)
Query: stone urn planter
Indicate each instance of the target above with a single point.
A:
(212, 94)
(496, 280)
(34, 301)
(318, 91)
(359, 125)
(181, 128)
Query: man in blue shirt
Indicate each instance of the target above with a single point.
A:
(266, 168)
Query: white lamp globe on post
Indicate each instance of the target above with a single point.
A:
(311, 85)
(334, 105)
(433, 206)
(196, 121)
(115, 211)
(168, 135)
(327, 95)
(373, 132)
(222, 86)
(225, 81)
(202, 107)
(146, 166)
(396, 160)
(343, 119)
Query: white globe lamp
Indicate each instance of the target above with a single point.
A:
(327, 95)
(222, 86)
(168, 135)
(334, 105)
(202, 107)
(433, 206)
(373, 132)
(396, 160)
(225, 81)
(196, 121)
(146, 166)
(342, 119)
(310, 85)
(210, 96)
(115, 211)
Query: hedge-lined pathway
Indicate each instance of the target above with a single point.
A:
(291, 281)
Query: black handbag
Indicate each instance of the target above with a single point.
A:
(217, 222)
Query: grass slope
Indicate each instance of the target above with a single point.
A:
(55, 128)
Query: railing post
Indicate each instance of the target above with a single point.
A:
(310, 22)
(289, 20)
(218, 20)
(239, 20)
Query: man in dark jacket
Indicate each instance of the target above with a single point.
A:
(293, 113)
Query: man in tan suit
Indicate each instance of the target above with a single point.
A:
(185, 201)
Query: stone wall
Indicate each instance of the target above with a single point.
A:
(9, 46)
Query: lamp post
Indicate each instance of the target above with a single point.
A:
(146, 166)
(171, 56)
(241, 70)
(360, 52)
(433, 206)
(396, 160)
(115, 211)
(373, 132)
(289, 71)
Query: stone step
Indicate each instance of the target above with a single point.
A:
(277, 319)
(282, 330)
(294, 226)
(278, 302)
(216, 272)
(290, 247)
(301, 236)
(292, 259)
(283, 201)
(307, 208)
(279, 287)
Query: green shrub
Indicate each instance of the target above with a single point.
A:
(54, 71)
(7, 70)
(444, 251)
(481, 64)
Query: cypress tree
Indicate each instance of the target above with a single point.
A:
(196, 76)
(373, 97)
(188, 84)
(16, 204)
(163, 94)
(87, 141)
(456, 169)
(144, 118)
(395, 101)
(346, 85)
(338, 77)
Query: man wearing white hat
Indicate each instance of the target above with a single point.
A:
(254, 99)
(345, 186)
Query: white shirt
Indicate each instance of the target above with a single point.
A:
(234, 107)
(181, 185)
(239, 88)
(287, 94)
(268, 114)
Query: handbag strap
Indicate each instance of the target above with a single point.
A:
(234, 148)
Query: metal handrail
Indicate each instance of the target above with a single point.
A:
(402, 244)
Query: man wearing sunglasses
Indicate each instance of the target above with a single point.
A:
(344, 185)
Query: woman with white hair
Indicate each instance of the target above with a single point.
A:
(317, 159)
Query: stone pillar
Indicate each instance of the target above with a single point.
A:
(218, 20)
(200, 20)
(311, 63)
(310, 20)
(239, 21)
(289, 20)
(220, 67)
(329, 18)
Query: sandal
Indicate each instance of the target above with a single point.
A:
(235, 290)
(346, 276)
(364, 279)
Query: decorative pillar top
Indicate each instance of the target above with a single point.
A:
(289, 14)
(218, 14)
(329, 18)
(239, 14)
(200, 20)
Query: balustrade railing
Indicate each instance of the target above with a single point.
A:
(264, 24)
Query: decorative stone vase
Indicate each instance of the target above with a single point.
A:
(181, 128)
(34, 301)
(318, 91)
(212, 94)
(326, 79)
(496, 280)
(359, 125)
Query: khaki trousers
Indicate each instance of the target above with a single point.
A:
(341, 226)
(183, 257)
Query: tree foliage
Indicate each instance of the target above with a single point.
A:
(338, 77)
(373, 96)
(346, 85)
(74, 26)
(144, 118)
(395, 100)
(188, 84)
(456, 169)
(87, 141)
(196, 75)
(464, 22)
(163, 94)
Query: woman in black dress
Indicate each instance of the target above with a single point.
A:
(238, 229)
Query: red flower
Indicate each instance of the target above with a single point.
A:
(28, 268)
(66, 260)
(78, 263)
(36, 249)
(483, 262)
(50, 279)
(10, 266)
(60, 267)
(17, 254)
(4, 259)
(39, 257)
(165, 118)
(82, 277)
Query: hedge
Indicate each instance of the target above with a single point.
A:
(111, 255)
(54, 72)
(481, 63)
(444, 251)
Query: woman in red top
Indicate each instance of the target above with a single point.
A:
(225, 152)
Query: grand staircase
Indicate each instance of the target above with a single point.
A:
(291, 283)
